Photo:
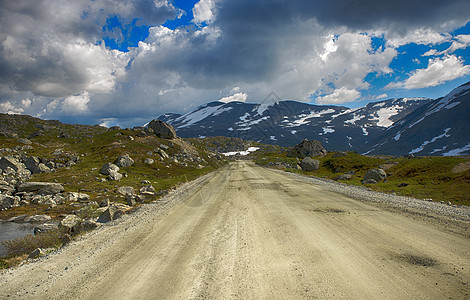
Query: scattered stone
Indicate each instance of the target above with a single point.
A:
(388, 165)
(109, 168)
(308, 164)
(162, 129)
(124, 161)
(461, 167)
(10, 162)
(126, 190)
(339, 154)
(140, 198)
(63, 135)
(36, 253)
(307, 148)
(164, 147)
(37, 219)
(24, 141)
(148, 161)
(44, 228)
(345, 177)
(41, 187)
(18, 219)
(162, 153)
(145, 182)
(70, 224)
(104, 203)
(130, 199)
(376, 174)
(148, 190)
(112, 212)
(369, 181)
(403, 184)
(89, 225)
(78, 197)
(114, 176)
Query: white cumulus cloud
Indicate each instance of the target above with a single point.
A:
(341, 95)
(239, 97)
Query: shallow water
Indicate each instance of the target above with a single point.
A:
(10, 230)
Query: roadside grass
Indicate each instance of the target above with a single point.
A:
(420, 177)
(17, 250)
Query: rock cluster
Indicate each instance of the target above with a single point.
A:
(307, 148)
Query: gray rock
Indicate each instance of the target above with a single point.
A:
(44, 228)
(148, 161)
(77, 197)
(112, 212)
(126, 190)
(7, 202)
(124, 161)
(140, 198)
(148, 190)
(36, 253)
(162, 153)
(24, 141)
(89, 225)
(18, 219)
(130, 199)
(104, 203)
(41, 187)
(37, 219)
(339, 154)
(162, 129)
(114, 176)
(43, 200)
(308, 164)
(32, 163)
(369, 181)
(108, 168)
(71, 223)
(10, 162)
(375, 174)
(307, 148)
(6, 189)
(345, 177)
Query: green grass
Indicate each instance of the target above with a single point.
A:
(427, 177)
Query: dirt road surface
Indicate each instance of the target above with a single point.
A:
(246, 232)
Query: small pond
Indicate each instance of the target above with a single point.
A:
(10, 231)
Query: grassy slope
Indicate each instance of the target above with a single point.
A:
(427, 177)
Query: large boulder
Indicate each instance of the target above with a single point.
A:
(148, 190)
(44, 228)
(10, 162)
(162, 129)
(307, 148)
(124, 161)
(112, 212)
(45, 188)
(308, 164)
(71, 223)
(109, 168)
(7, 201)
(377, 175)
(37, 219)
(126, 190)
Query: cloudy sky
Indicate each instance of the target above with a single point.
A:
(124, 62)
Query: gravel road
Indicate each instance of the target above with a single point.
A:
(247, 232)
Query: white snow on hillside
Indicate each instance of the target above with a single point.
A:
(384, 115)
(303, 118)
(420, 148)
(246, 152)
(198, 115)
(458, 151)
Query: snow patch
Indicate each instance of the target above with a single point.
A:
(230, 129)
(384, 115)
(354, 119)
(293, 131)
(397, 136)
(327, 130)
(246, 152)
(364, 130)
(273, 138)
(302, 118)
(196, 116)
(420, 148)
(458, 151)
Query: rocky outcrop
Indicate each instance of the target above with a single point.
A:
(376, 175)
(124, 161)
(44, 188)
(308, 164)
(161, 129)
(109, 168)
(307, 148)
(70, 224)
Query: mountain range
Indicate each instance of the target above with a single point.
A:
(396, 126)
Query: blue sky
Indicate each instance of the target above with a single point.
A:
(125, 62)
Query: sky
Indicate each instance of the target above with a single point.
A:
(124, 62)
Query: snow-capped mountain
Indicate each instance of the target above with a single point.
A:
(286, 123)
(439, 127)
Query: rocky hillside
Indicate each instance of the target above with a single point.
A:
(72, 178)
